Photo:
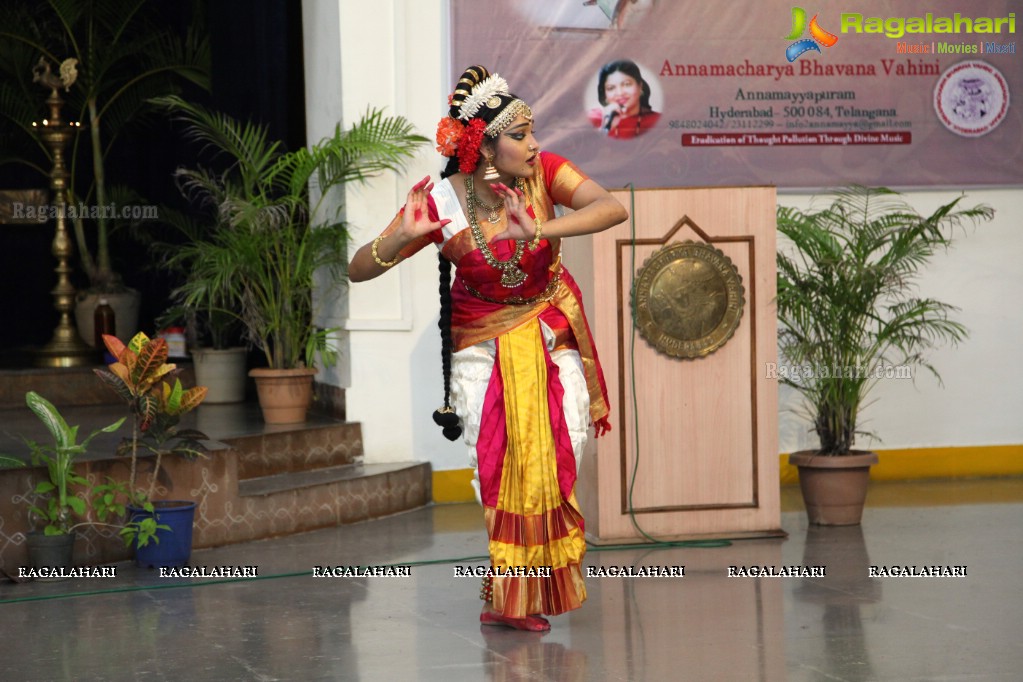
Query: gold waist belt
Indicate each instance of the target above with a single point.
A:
(544, 296)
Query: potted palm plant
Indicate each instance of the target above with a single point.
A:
(57, 506)
(212, 324)
(141, 376)
(220, 366)
(849, 316)
(270, 237)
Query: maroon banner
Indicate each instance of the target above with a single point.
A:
(683, 93)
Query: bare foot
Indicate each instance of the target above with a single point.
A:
(530, 623)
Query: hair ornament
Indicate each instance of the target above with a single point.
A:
(469, 146)
(481, 93)
(505, 118)
(449, 133)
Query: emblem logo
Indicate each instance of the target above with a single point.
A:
(688, 299)
(818, 36)
(971, 98)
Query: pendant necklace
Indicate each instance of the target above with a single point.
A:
(493, 212)
(511, 275)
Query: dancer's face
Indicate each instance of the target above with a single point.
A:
(516, 151)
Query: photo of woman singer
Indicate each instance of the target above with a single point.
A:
(524, 377)
(624, 95)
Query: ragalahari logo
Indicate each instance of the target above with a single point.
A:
(818, 36)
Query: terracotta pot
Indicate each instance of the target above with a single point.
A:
(834, 487)
(284, 394)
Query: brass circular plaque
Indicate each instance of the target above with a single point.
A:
(688, 299)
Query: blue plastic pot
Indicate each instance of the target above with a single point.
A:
(175, 545)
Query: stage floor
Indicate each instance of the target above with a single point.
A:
(285, 624)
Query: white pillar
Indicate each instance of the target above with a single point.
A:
(389, 54)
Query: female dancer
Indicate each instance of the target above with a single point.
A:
(525, 380)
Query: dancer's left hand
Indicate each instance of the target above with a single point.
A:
(520, 223)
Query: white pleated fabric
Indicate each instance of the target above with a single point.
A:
(470, 375)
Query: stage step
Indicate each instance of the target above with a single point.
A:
(66, 387)
(263, 481)
(277, 483)
(325, 497)
(318, 444)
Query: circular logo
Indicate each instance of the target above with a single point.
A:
(971, 98)
(688, 299)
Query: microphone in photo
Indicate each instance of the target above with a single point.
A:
(609, 118)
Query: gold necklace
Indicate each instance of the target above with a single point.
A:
(511, 275)
(493, 212)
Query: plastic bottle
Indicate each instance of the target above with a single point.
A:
(176, 345)
(103, 323)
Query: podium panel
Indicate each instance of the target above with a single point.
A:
(694, 448)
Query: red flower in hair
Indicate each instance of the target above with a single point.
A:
(469, 146)
(449, 132)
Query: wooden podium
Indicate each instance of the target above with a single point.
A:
(694, 450)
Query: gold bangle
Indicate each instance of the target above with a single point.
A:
(536, 238)
(383, 263)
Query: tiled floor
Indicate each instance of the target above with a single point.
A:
(288, 625)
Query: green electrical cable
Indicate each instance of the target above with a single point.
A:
(224, 581)
(698, 544)
(302, 574)
(703, 544)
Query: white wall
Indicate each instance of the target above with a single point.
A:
(393, 54)
(390, 54)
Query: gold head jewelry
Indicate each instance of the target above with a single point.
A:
(505, 118)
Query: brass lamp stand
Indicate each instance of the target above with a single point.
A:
(66, 348)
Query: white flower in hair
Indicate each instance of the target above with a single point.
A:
(489, 87)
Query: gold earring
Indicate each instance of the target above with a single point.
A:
(490, 174)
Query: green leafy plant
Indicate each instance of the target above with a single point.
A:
(259, 259)
(10, 462)
(846, 300)
(212, 320)
(141, 376)
(60, 508)
(125, 56)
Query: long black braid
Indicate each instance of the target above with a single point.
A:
(445, 416)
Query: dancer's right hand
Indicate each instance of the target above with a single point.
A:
(415, 221)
